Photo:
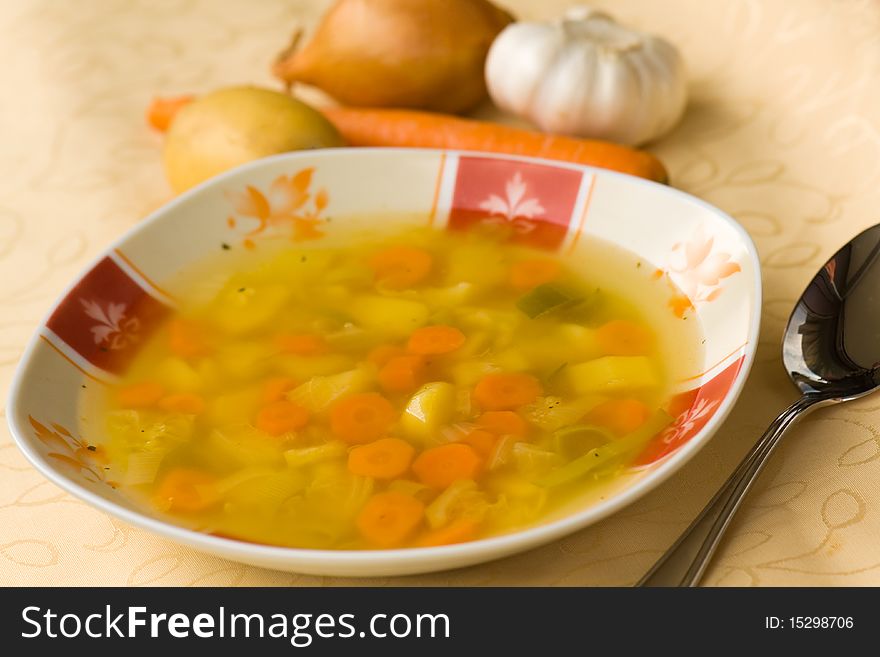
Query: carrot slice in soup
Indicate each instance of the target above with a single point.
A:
(526, 274)
(140, 395)
(386, 458)
(438, 467)
(184, 402)
(503, 423)
(621, 337)
(383, 353)
(389, 518)
(482, 441)
(435, 340)
(402, 374)
(361, 418)
(505, 391)
(401, 267)
(186, 490)
(281, 417)
(622, 416)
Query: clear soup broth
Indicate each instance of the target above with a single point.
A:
(415, 389)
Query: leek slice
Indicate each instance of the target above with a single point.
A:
(546, 298)
(625, 446)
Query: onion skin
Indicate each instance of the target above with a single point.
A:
(399, 53)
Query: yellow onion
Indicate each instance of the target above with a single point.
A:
(426, 54)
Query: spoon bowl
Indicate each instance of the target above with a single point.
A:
(832, 342)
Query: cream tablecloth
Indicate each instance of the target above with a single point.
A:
(783, 132)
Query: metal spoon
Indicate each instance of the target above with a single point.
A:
(831, 350)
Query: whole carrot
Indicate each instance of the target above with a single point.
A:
(405, 128)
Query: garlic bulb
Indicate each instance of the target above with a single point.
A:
(588, 76)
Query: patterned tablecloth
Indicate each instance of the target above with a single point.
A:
(782, 132)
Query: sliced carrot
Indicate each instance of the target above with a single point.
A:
(361, 417)
(622, 416)
(506, 391)
(411, 129)
(482, 441)
(526, 274)
(386, 458)
(162, 111)
(184, 402)
(621, 337)
(402, 374)
(400, 267)
(389, 518)
(503, 423)
(187, 339)
(281, 417)
(458, 531)
(186, 490)
(383, 353)
(301, 344)
(438, 467)
(434, 340)
(274, 388)
(140, 395)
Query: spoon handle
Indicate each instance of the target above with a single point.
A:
(685, 562)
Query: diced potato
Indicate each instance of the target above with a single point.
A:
(432, 406)
(479, 264)
(301, 457)
(245, 360)
(178, 376)
(580, 341)
(351, 337)
(451, 296)
(611, 374)
(319, 392)
(237, 407)
(467, 372)
(243, 308)
(306, 367)
(389, 315)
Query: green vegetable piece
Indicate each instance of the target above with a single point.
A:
(628, 445)
(577, 439)
(546, 298)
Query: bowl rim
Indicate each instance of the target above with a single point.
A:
(413, 559)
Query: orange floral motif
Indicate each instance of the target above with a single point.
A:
(72, 452)
(698, 271)
(287, 209)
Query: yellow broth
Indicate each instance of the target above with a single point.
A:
(415, 389)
